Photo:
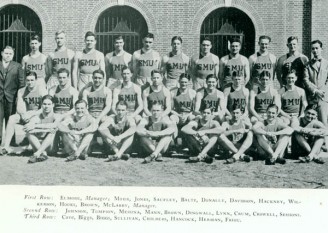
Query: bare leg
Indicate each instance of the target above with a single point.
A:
(224, 141)
(316, 148)
(245, 145)
(209, 145)
(147, 144)
(264, 145)
(162, 145)
(127, 142)
(303, 143)
(281, 147)
(41, 148)
(10, 130)
(85, 143)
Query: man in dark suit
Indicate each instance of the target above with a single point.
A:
(316, 81)
(11, 79)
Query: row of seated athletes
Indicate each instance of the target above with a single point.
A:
(180, 114)
(82, 64)
(152, 136)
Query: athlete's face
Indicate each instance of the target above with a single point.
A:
(176, 46)
(183, 83)
(60, 40)
(30, 81)
(206, 46)
(292, 46)
(148, 43)
(271, 114)
(311, 115)
(90, 42)
(265, 81)
(121, 111)
(211, 83)
(126, 74)
(7, 55)
(264, 45)
(35, 45)
(291, 79)
(98, 79)
(62, 79)
(316, 50)
(237, 80)
(235, 47)
(156, 111)
(80, 109)
(156, 79)
(119, 45)
(207, 114)
(236, 114)
(47, 106)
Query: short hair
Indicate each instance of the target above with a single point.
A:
(265, 73)
(205, 38)
(81, 101)
(63, 70)
(273, 106)
(264, 37)
(47, 97)
(89, 33)
(8, 47)
(99, 71)
(210, 76)
(292, 71)
(31, 73)
(119, 37)
(122, 102)
(237, 73)
(176, 38)
(157, 104)
(125, 68)
(317, 42)
(207, 107)
(235, 39)
(236, 106)
(291, 38)
(311, 107)
(149, 35)
(156, 71)
(35, 37)
(60, 32)
(184, 75)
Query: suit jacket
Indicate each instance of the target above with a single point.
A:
(316, 78)
(11, 80)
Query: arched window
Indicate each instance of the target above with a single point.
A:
(120, 20)
(224, 23)
(17, 24)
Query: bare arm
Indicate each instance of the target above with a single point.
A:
(145, 102)
(139, 101)
(189, 128)
(75, 70)
(168, 103)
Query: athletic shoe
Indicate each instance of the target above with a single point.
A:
(246, 158)
(83, 156)
(318, 160)
(281, 160)
(4, 151)
(305, 159)
(149, 158)
(112, 158)
(230, 160)
(71, 158)
(32, 159)
(159, 158)
(125, 157)
(270, 161)
(208, 159)
(42, 157)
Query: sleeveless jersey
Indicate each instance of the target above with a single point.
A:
(236, 97)
(209, 100)
(36, 64)
(80, 125)
(115, 65)
(119, 127)
(232, 65)
(263, 100)
(207, 125)
(205, 65)
(49, 119)
(89, 62)
(61, 59)
(175, 66)
(290, 100)
(96, 100)
(155, 97)
(146, 63)
(32, 99)
(63, 100)
(155, 126)
(129, 95)
(262, 63)
(298, 63)
(183, 102)
(236, 137)
(272, 128)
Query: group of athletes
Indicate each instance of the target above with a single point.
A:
(226, 108)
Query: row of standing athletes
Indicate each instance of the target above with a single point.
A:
(88, 75)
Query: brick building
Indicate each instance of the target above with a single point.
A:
(190, 19)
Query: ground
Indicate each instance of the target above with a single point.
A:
(172, 172)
